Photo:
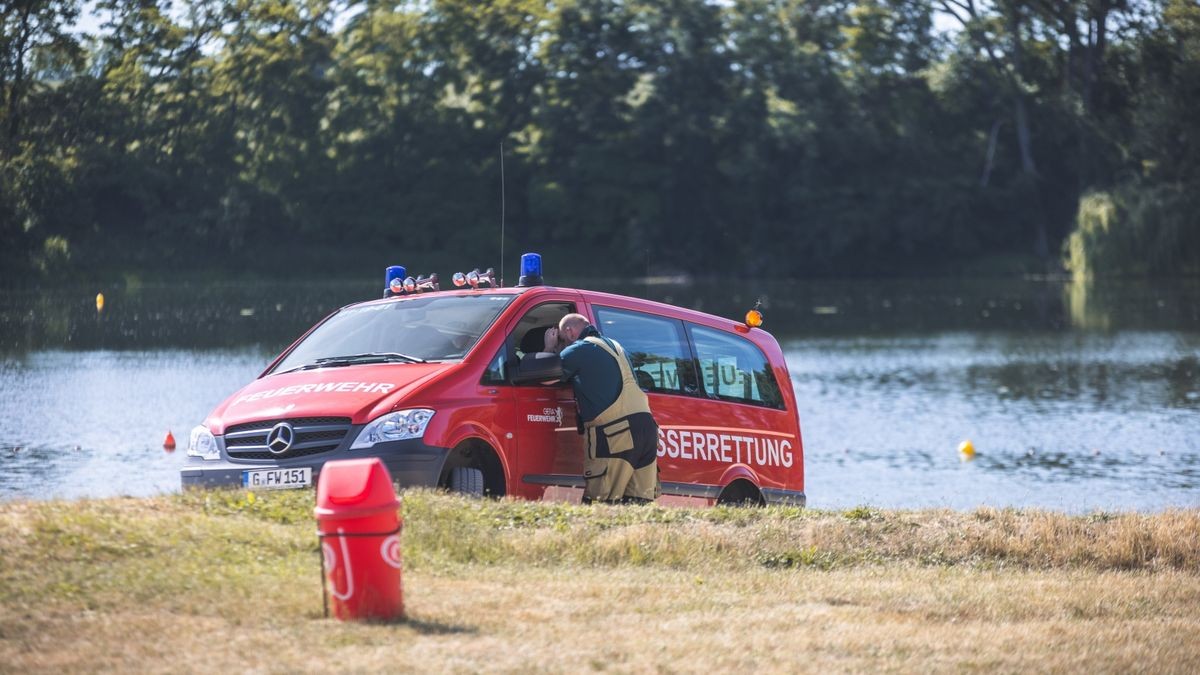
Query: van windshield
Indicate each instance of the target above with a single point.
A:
(410, 330)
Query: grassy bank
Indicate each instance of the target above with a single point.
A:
(226, 581)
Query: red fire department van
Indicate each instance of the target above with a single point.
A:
(450, 388)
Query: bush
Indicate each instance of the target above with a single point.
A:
(1136, 231)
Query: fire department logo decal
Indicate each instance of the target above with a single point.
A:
(549, 415)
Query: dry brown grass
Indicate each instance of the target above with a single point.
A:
(556, 534)
(218, 583)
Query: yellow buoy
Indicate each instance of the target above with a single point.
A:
(99, 302)
(966, 449)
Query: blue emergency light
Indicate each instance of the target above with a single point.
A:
(393, 280)
(531, 270)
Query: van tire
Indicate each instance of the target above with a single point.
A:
(475, 455)
(466, 480)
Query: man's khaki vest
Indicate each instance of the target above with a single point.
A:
(630, 401)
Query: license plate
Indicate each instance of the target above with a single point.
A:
(277, 479)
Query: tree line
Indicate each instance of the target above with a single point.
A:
(762, 137)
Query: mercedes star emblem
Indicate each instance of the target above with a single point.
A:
(280, 438)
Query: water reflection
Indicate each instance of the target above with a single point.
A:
(1131, 305)
(1086, 307)
(232, 315)
(185, 316)
(1076, 397)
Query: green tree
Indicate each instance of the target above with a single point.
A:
(588, 186)
(162, 159)
(37, 165)
(271, 81)
(1147, 222)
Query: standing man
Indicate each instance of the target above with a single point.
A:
(621, 463)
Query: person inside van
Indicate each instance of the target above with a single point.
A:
(552, 342)
(621, 460)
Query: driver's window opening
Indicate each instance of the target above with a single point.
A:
(529, 336)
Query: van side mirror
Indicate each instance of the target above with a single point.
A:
(540, 367)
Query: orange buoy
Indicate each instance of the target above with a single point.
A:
(169, 442)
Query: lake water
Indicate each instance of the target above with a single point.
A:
(1076, 398)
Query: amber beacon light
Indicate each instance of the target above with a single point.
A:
(754, 318)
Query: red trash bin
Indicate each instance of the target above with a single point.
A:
(359, 528)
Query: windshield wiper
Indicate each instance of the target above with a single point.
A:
(369, 357)
(354, 359)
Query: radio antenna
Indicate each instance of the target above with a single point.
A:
(502, 205)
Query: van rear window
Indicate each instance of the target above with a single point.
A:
(734, 369)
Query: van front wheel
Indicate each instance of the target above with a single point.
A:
(466, 480)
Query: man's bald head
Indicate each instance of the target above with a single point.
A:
(572, 326)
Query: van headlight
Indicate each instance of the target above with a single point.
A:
(202, 444)
(396, 426)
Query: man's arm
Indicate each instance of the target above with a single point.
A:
(570, 362)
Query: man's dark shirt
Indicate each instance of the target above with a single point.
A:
(594, 374)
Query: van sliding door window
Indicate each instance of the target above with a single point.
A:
(734, 369)
(657, 349)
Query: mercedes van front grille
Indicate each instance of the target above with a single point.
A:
(311, 436)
